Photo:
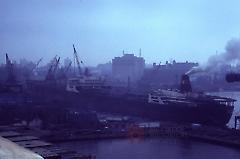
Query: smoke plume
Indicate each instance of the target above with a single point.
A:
(231, 55)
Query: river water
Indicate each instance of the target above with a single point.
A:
(156, 148)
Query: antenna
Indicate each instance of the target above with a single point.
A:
(140, 52)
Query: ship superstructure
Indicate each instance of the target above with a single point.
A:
(86, 83)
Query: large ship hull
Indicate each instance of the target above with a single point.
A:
(119, 101)
(206, 113)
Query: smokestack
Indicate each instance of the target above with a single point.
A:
(185, 85)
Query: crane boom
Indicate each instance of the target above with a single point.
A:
(36, 65)
(77, 59)
(40, 60)
(49, 75)
(56, 66)
(8, 62)
(9, 67)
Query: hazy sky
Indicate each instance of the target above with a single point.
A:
(164, 29)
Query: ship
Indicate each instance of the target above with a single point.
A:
(178, 106)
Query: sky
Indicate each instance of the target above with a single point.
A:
(182, 30)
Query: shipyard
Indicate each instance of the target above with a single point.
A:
(68, 103)
(119, 79)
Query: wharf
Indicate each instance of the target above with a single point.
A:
(48, 150)
(33, 146)
(215, 135)
(225, 137)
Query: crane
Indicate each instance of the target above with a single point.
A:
(36, 65)
(68, 67)
(50, 75)
(77, 60)
(64, 71)
(9, 67)
(56, 66)
(8, 61)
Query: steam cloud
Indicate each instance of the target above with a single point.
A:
(229, 56)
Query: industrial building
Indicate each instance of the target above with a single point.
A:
(128, 67)
(168, 73)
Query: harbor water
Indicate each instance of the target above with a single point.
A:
(161, 147)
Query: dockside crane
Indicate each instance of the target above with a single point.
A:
(11, 84)
(36, 65)
(56, 66)
(77, 60)
(64, 71)
(11, 77)
(68, 67)
(53, 68)
(8, 61)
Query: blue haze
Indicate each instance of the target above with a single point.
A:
(101, 29)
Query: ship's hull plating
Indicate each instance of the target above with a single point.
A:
(202, 113)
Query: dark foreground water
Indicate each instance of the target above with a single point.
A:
(153, 148)
(158, 148)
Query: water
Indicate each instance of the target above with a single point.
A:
(155, 148)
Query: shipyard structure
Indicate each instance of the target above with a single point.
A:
(132, 70)
(166, 74)
(128, 67)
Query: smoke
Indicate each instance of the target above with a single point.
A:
(194, 70)
(230, 56)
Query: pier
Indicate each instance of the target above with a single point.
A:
(215, 135)
(44, 144)
(29, 146)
